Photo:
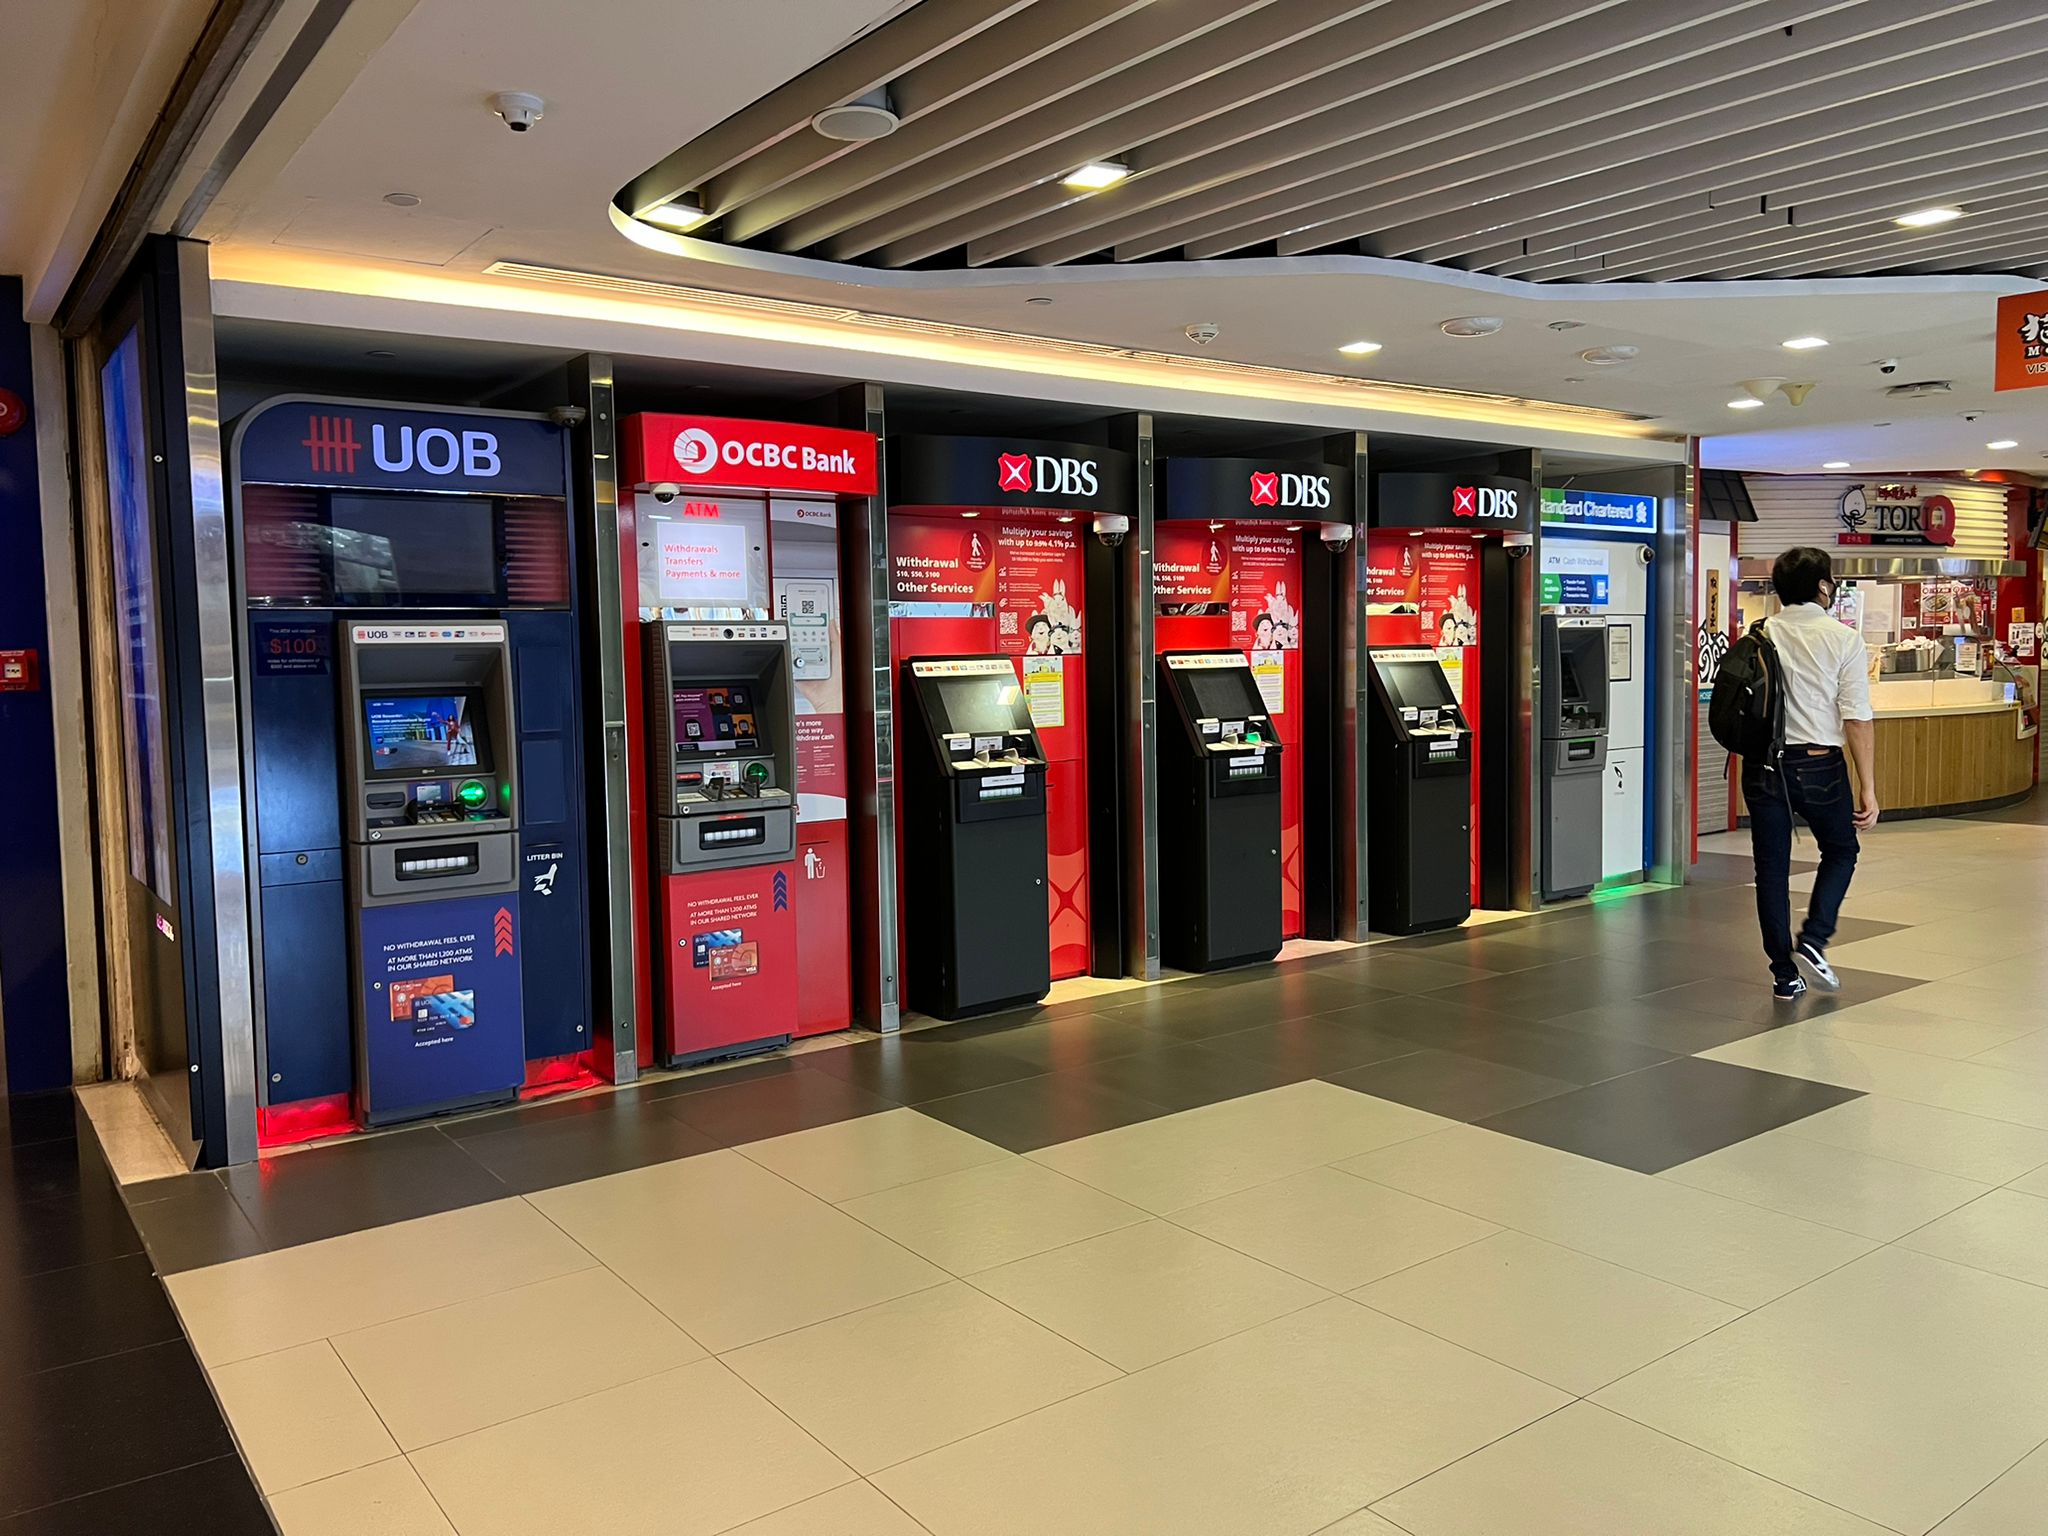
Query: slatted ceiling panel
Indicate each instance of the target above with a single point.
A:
(1552, 140)
(1800, 509)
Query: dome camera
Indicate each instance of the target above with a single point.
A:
(1645, 554)
(666, 492)
(1336, 535)
(1888, 366)
(520, 109)
(1110, 527)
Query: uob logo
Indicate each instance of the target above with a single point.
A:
(437, 451)
(1288, 489)
(1045, 475)
(1486, 501)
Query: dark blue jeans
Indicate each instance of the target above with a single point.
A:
(1816, 783)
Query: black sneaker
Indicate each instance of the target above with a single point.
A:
(1808, 954)
(1789, 991)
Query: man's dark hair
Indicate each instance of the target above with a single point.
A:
(1796, 575)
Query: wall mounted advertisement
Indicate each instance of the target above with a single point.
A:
(1574, 576)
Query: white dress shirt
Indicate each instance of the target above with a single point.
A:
(1827, 674)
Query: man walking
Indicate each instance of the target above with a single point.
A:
(1826, 683)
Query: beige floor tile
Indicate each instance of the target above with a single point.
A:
(1707, 1243)
(1885, 1022)
(859, 1156)
(2014, 1504)
(1798, 1050)
(2035, 1183)
(1902, 954)
(1333, 1229)
(1895, 1388)
(1981, 1005)
(440, 1374)
(1870, 1196)
(690, 1452)
(1587, 1472)
(981, 1217)
(891, 1382)
(1573, 1321)
(2018, 974)
(1969, 1146)
(1364, 1523)
(857, 1509)
(2028, 1053)
(1143, 1294)
(299, 1417)
(384, 1499)
(295, 1295)
(1285, 1428)
(731, 1252)
(1203, 1154)
(2006, 1232)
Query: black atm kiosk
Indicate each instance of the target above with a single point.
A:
(973, 807)
(1420, 788)
(1219, 815)
(1574, 753)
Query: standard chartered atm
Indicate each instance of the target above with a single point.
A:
(1420, 788)
(974, 850)
(1219, 815)
(722, 773)
(1574, 753)
(430, 807)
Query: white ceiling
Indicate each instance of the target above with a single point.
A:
(628, 81)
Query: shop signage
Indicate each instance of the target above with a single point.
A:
(2021, 355)
(1477, 503)
(1010, 472)
(700, 451)
(1219, 490)
(1894, 514)
(1598, 509)
(1573, 577)
(340, 444)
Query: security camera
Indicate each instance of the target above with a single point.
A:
(1202, 332)
(520, 109)
(567, 415)
(1888, 365)
(1110, 527)
(1645, 554)
(665, 492)
(1518, 551)
(1336, 535)
(1972, 415)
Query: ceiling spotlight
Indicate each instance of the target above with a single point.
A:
(402, 199)
(1359, 348)
(1565, 325)
(1038, 298)
(1804, 343)
(380, 354)
(1472, 325)
(1607, 356)
(1928, 218)
(858, 122)
(2002, 444)
(1095, 175)
(682, 215)
(970, 514)
(1745, 404)
(1836, 464)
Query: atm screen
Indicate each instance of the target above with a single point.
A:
(982, 705)
(716, 718)
(1221, 693)
(1415, 684)
(418, 548)
(414, 734)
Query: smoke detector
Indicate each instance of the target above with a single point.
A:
(858, 122)
(1472, 325)
(1921, 389)
(1607, 356)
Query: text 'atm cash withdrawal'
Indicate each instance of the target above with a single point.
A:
(973, 839)
(1219, 815)
(433, 875)
(723, 774)
(1574, 753)
(1420, 788)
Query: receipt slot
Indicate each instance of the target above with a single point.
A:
(1219, 815)
(723, 774)
(974, 860)
(430, 796)
(1420, 788)
(1574, 753)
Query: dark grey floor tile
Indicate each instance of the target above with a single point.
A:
(1545, 991)
(1185, 1076)
(1662, 1026)
(177, 1186)
(1041, 1111)
(1501, 948)
(1444, 1083)
(667, 1085)
(368, 1181)
(201, 1225)
(208, 1498)
(64, 1316)
(908, 1069)
(614, 1139)
(763, 1107)
(1747, 998)
(1051, 1045)
(1668, 1114)
(1316, 1046)
(1526, 1045)
(47, 1170)
(41, 1235)
(32, 1117)
(1177, 1017)
(103, 1422)
(1390, 968)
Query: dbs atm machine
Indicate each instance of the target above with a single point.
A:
(1420, 786)
(1219, 816)
(973, 839)
(1574, 753)
(721, 764)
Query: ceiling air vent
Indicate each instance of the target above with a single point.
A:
(1920, 390)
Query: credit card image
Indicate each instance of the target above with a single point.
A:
(735, 961)
(701, 945)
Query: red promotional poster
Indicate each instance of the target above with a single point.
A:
(1392, 588)
(1190, 569)
(731, 956)
(1038, 581)
(942, 560)
(746, 455)
(1448, 590)
(1265, 585)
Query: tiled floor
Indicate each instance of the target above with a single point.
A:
(1548, 1228)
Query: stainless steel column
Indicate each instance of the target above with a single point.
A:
(1677, 663)
(1351, 901)
(1133, 435)
(871, 729)
(1525, 787)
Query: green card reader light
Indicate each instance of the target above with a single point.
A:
(472, 793)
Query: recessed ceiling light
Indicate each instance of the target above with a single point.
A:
(1359, 348)
(1565, 325)
(380, 354)
(2002, 444)
(1472, 325)
(683, 214)
(1038, 298)
(402, 199)
(858, 122)
(1836, 464)
(1608, 356)
(1928, 218)
(1745, 404)
(1804, 343)
(1095, 175)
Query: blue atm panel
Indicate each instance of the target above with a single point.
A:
(553, 891)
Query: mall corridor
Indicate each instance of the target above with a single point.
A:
(1555, 1226)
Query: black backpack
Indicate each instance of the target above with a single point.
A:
(1747, 712)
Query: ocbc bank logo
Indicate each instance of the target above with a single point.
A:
(1277, 488)
(1486, 501)
(1046, 475)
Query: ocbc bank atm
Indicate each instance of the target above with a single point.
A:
(1420, 789)
(722, 771)
(974, 849)
(1574, 753)
(430, 796)
(1219, 815)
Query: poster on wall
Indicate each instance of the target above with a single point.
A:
(1035, 614)
(705, 558)
(1190, 570)
(806, 597)
(941, 569)
(1045, 690)
(1574, 575)
(1263, 619)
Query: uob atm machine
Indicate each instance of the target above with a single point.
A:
(1574, 753)
(1420, 787)
(1219, 815)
